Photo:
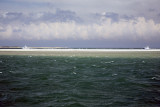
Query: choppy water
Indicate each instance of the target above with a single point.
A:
(50, 81)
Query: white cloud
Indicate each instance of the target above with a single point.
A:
(6, 32)
(140, 28)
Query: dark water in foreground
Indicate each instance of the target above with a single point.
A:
(50, 81)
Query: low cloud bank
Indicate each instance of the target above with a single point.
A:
(134, 29)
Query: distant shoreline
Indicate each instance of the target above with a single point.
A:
(87, 50)
(140, 53)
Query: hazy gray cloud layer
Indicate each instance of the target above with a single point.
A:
(37, 17)
(139, 8)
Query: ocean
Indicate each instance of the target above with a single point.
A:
(80, 79)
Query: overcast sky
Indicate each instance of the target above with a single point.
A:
(80, 24)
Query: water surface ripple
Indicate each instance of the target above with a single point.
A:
(50, 81)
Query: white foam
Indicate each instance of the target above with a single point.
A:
(153, 78)
(114, 74)
(109, 62)
(12, 71)
(0, 72)
(74, 73)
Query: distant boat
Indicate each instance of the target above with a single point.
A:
(147, 47)
(25, 47)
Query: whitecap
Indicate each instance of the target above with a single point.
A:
(114, 74)
(153, 78)
(11, 71)
(74, 73)
(143, 61)
(0, 72)
(107, 62)
(74, 67)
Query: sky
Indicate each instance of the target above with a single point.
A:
(80, 24)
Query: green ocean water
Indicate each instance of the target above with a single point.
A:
(74, 81)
